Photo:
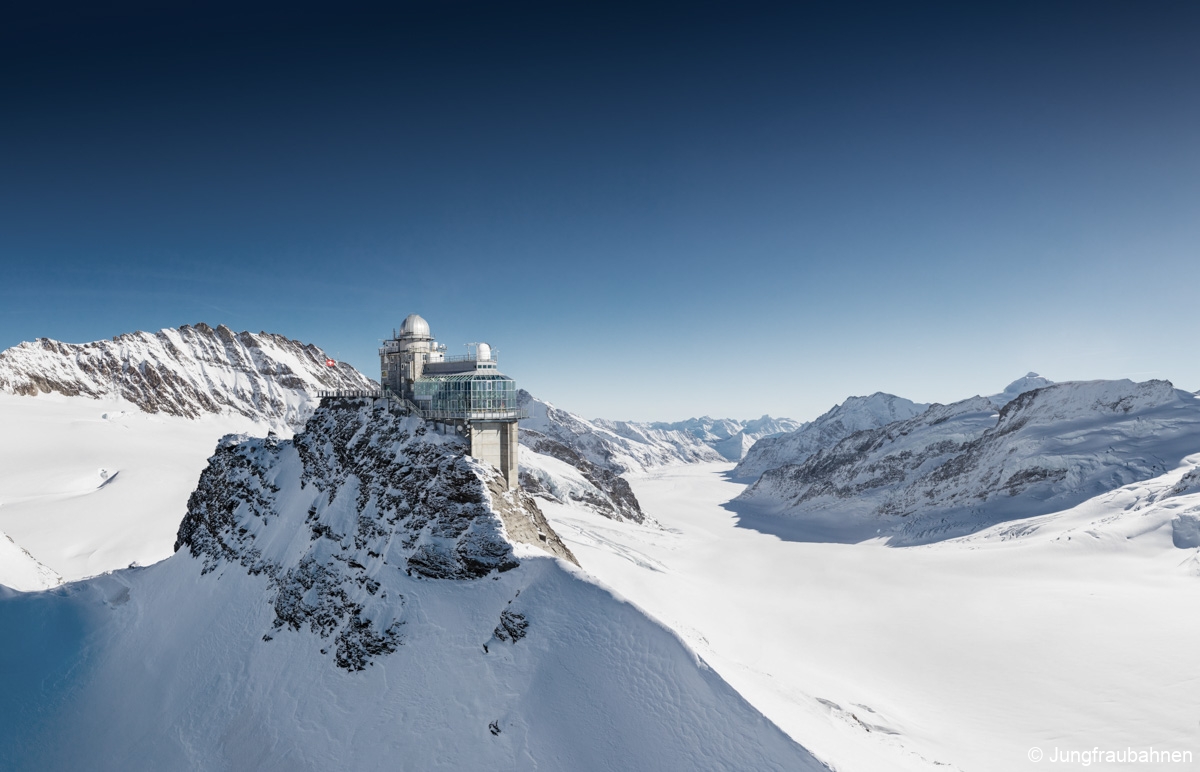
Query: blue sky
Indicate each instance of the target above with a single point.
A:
(652, 211)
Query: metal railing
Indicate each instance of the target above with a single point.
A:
(429, 414)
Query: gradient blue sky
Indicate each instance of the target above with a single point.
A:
(652, 211)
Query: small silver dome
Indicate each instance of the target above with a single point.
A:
(415, 327)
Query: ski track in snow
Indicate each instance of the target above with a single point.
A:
(1070, 630)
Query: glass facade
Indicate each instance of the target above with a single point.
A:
(473, 395)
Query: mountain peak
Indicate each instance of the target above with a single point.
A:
(187, 371)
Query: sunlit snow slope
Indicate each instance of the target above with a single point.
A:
(355, 599)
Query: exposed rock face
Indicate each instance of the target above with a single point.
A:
(957, 468)
(607, 492)
(376, 492)
(618, 446)
(187, 371)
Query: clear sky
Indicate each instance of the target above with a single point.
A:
(651, 211)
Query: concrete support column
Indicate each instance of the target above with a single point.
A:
(508, 453)
(495, 443)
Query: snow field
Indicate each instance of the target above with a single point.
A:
(88, 486)
(958, 655)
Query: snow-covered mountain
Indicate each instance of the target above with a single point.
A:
(569, 458)
(102, 442)
(855, 414)
(364, 596)
(552, 470)
(621, 446)
(189, 372)
(729, 437)
(957, 468)
(1018, 387)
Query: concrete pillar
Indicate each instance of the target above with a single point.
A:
(495, 443)
(508, 453)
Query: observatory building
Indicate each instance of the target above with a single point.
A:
(467, 393)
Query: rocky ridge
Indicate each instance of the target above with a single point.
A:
(189, 371)
(853, 415)
(619, 446)
(729, 437)
(957, 468)
(379, 492)
(839, 422)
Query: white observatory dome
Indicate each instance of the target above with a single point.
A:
(414, 326)
(484, 352)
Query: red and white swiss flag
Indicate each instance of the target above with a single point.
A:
(330, 363)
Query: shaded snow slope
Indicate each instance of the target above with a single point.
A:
(189, 371)
(957, 468)
(855, 414)
(353, 599)
(22, 571)
(1163, 509)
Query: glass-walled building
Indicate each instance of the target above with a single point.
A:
(476, 395)
(467, 395)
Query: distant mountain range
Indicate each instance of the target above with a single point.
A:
(188, 371)
(855, 414)
(953, 469)
(875, 465)
(569, 458)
